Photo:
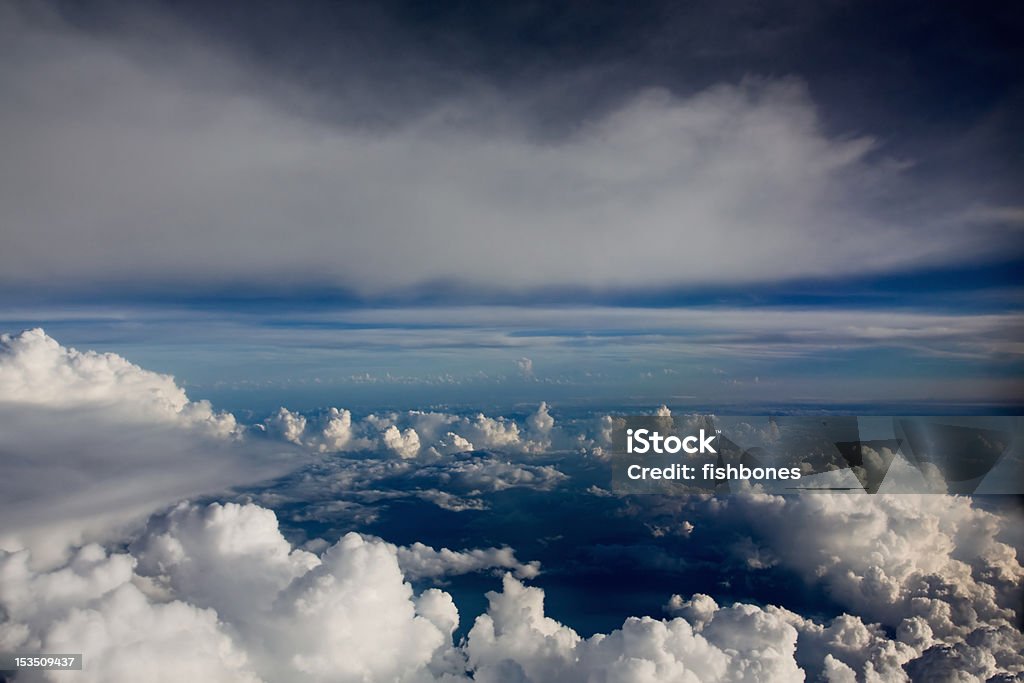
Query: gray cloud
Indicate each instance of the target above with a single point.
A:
(183, 166)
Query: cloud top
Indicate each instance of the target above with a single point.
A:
(92, 441)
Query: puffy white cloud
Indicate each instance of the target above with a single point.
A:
(287, 425)
(226, 575)
(93, 442)
(837, 672)
(607, 425)
(337, 431)
(539, 425)
(421, 561)
(928, 580)
(29, 595)
(846, 649)
(487, 432)
(893, 556)
(352, 618)
(216, 593)
(231, 557)
(455, 443)
(763, 645)
(932, 568)
(93, 605)
(699, 610)
(514, 640)
(848, 645)
(437, 429)
(129, 638)
(330, 431)
(349, 615)
(35, 370)
(404, 443)
(413, 433)
(515, 628)
(504, 434)
(541, 422)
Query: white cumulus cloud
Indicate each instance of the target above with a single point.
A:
(92, 441)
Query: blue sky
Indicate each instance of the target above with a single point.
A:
(574, 355)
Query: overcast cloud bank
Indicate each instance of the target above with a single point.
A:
(191, 168)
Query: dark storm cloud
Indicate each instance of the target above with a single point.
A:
(903, 63)
(388, 147)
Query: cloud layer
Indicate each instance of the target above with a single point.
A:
(192, 168)
(927, 587)
(217, 592)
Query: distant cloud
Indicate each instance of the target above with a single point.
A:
(413, 433)
(420, 561)
(404, 443)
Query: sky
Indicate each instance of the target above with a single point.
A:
(646, 201)
(318, 322)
